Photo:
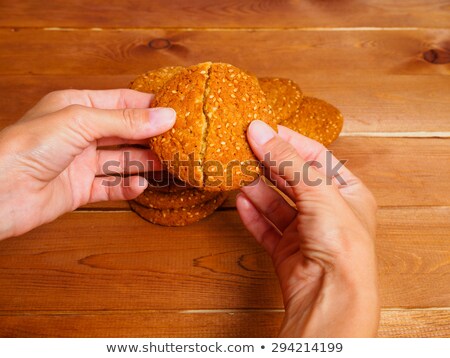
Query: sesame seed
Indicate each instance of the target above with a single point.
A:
(233, 95)
(187, 114)
(174, 91)
(219, 126)
(203, 72)
(223, 143)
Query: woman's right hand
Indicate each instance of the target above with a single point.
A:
(323, 249)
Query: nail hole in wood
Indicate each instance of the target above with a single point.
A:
(159, 44)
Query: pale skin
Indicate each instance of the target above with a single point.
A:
(322, 247)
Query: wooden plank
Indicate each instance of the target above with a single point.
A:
(399, 171)
(415, 323)
(116, 261)
(373, 104)
(359, 53)
(225, 13)
(240, 324)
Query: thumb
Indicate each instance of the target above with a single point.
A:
(128, 123)
(283, 160)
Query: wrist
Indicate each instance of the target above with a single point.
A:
(344, 305)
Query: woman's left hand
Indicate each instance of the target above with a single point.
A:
(51, 161)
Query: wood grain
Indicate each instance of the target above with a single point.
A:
(226, 13)
(399, 171)
(373, 104)
(102, 271)
(239, 324)
(359, 53)
(102, 264)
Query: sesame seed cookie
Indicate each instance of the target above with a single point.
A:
(152, 81)
(283, 95)
(316, 119)
(164, 182)
(207, 147)
(180, 216)
(187, 198)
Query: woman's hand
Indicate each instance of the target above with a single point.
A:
(323, 249)
(51, 163)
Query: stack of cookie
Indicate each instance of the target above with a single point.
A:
(206, 152)
(170, 202)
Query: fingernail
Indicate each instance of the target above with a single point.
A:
(162, 118)
(260, 132)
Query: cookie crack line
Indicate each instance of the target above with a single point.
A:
(206, 129)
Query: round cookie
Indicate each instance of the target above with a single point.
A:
(207, 147)
(152, 81)
(181, 216)
(164, 182)
(283, 95)
(316, 119)
(156, 199)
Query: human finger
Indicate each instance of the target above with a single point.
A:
(268, 202)
(117, 188)
(126, 161)
(102, 99)
(264, 233)
(281, 158)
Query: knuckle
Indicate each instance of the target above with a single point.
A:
(74, 109)
(132, 119)
(283, 154)
(272, 207)
(57, 96)
(282, 151)
(74, 112)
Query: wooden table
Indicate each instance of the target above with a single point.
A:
(102, 271)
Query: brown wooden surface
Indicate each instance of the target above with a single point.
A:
(116, 261)
(290, 53)
(401, 105)
(102, 271)
(225, 13)
(230, 323)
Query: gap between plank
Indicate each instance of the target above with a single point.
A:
(397, 134)
(199, 311)
(223, 29)
(232, 208)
